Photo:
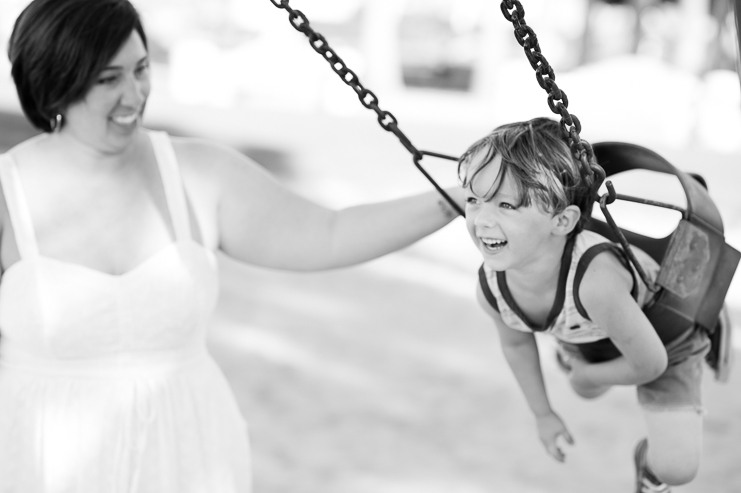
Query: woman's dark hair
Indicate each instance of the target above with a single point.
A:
(59, 47)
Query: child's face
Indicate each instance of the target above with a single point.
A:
(508, 237)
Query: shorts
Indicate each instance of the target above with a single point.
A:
(680, 386)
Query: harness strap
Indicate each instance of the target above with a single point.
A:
(484, 282)
(584, 262)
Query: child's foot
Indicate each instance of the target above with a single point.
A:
(720, 356)
(646, 482)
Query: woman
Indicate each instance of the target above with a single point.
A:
(109, 276)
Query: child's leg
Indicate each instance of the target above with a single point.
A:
(589, 392)
(674, 444)
(672, 407)
(565, 353)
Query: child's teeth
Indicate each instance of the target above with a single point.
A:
(493, 243)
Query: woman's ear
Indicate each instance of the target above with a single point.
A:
(566, 220)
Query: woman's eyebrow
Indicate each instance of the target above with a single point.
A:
(119, 67)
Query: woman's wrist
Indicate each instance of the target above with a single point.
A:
(456, 196)
(448, 211)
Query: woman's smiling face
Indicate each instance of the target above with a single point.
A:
(111, 112)
(509, 236)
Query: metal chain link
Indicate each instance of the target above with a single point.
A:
(385, 118)
(558, 102)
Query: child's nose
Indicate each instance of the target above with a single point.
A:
(487, 216)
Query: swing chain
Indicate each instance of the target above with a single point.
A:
(386, 119)
(558, 102)
(604, 200)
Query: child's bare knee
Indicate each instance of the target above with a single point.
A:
(589, 392)
(675, 445)
(675, 472)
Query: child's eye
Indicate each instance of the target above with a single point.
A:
(472, 200)
(507, 205)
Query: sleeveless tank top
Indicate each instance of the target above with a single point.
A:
(568, 321)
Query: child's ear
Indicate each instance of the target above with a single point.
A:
(566, 220)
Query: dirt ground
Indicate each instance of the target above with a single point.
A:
(362, 381)
(386, 377)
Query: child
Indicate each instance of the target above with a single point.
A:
(527, 201)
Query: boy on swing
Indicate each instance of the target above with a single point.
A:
(527, 201)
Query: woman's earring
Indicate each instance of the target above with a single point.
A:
(56, 123)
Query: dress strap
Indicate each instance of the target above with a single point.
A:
(15, 200)
(172, 183)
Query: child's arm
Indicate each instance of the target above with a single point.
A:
(605, 295)
(521, 352)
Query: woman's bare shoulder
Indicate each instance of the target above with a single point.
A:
(209, 159)
(212, 173)
(218, 165)
(28, 147)
(19, 152)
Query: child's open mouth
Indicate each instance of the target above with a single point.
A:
(493, 244)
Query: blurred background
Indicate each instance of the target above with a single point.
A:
(387, 377)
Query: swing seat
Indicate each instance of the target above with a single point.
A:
(697, 265)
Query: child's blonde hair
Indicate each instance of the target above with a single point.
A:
(540, 163)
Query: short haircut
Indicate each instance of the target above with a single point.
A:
(539, 162)
(59, 47)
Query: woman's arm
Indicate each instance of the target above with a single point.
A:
(259, 221)
(605, 295)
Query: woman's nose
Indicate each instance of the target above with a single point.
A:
(135, 92)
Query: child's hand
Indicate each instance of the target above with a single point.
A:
(551, 431)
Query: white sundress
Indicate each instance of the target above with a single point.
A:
(106, 385)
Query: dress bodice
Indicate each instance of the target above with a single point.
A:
(52, 311)
(106, 384)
